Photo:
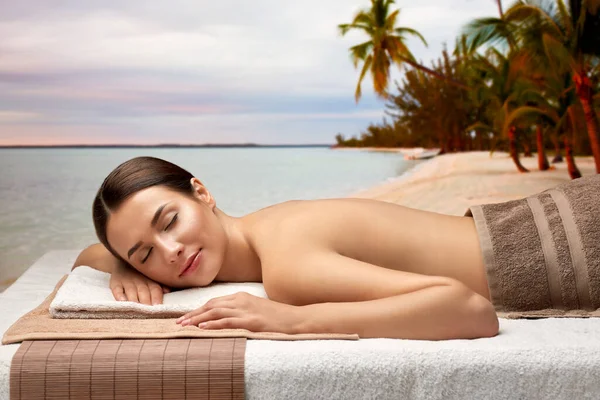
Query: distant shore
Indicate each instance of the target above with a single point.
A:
(382, 149)
(451, 183)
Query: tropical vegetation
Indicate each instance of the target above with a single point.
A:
(525, 81)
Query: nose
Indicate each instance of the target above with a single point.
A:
(172, 250)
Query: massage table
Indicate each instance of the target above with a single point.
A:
(555, 358)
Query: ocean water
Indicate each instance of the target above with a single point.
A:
(46, 194)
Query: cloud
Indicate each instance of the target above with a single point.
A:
(105, 63)
(7, 116)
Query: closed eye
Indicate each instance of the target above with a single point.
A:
(172, 222)
(148, 255)
(166, 227)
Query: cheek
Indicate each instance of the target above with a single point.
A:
(192, 226)
(158, 272)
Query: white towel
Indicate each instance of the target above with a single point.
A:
(86, 294)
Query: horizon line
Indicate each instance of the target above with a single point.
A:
(165, 145)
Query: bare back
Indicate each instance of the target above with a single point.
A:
(379, 233)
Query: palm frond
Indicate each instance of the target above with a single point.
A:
(565, 16)
(380, 72)
(397, 50)
(522, 12)
(479, 126)
(390, 21)
(402, 30)
(489, 32)
(558, 55)
(526, 112)
(365, 69)
(359, 52)
(345, 28)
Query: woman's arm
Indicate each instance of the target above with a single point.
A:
(435, 313)
(336, 294)
(339, 294)
(98, 257)
(126, 283)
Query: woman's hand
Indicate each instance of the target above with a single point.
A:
(245, 311)
(129, 285)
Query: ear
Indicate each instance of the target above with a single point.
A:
(201, 193)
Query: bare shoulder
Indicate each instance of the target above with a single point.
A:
(363, 229)
(307, 222)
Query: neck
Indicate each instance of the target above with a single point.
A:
(241, 263)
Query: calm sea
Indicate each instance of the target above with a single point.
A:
(46, 194)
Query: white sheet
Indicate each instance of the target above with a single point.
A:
(86, 294)
(543, 359)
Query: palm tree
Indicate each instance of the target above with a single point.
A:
(524, 37)
(505, 91)
(492, 31)
(556, 106)
(568, 49)
(386, 45)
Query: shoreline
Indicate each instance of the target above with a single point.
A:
(451, 183)
(376, 149)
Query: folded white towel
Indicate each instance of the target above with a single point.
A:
(86, 294)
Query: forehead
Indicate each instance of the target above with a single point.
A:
(132, 219)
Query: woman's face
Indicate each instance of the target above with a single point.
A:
(159, 232)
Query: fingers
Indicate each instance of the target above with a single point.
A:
(143, 293)
(119, 293)
(218, 302)
(166, 289)
(156, 294)
(210, 315)
(225, 323)
(132, 293)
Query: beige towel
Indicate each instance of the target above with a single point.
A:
(39, 325)
(542, 253)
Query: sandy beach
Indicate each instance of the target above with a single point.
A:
(451, 183)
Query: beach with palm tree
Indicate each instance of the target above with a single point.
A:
(513, 107)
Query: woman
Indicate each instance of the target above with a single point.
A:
(333, 265)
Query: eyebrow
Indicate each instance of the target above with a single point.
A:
(152, 225)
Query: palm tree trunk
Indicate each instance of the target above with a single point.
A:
(543, 164)
(571, 166)
(514, 153)
(527, 148)
(557, 150)
(584, 92)
(442, 143)
(499, 2)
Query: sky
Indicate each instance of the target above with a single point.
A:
(196, 71)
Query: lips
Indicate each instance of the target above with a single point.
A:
(189, 262)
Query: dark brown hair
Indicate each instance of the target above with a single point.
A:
(129, 178)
